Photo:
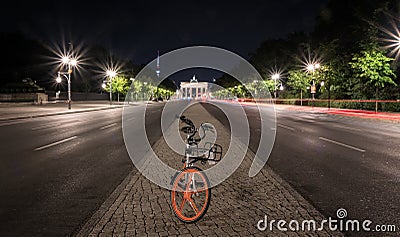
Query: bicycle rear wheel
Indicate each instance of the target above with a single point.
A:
(190, 195)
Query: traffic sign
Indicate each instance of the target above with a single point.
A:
(313, 89)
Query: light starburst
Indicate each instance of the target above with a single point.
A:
(392, 39)
(310, 61)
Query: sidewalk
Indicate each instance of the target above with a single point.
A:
(12, 111)
(346, 112)
(140, 208)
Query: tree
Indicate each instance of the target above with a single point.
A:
(298, 80)
(372, 68)
(137, 87)
(120, 85)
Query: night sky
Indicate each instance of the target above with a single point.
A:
(137, 29)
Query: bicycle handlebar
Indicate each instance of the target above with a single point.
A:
(190, 123)
(187, 121)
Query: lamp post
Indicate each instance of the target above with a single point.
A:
(71, 63)
(275, 77)
(144, 89)
(255, 82)
(133, 80)
(111, 74)
(312, 68)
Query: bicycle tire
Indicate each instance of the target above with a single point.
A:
(178, 211)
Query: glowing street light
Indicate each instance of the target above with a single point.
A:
(111, 74)
(71, 62)
(275, 77)
(392, 39)
(311, 67)
(65, 59)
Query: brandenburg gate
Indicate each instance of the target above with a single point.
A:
(194, 90)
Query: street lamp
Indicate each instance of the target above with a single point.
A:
(275, 77)
(133, 80)
(144, 89)
(255, 82)
(111, 74)
(71, 62)
(58, 79)
(311, 68)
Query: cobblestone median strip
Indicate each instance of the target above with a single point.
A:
(140, 208)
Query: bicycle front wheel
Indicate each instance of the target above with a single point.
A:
(190, 195)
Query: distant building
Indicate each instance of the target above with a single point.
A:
(25, 91)
(194, 90)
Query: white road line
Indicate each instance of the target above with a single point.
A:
(12, 123)
(347, 128)
(341, 144)
(45, 126)
(54, 124)
(108, 126)
(130, 119)
(284, 126)
(55, 143)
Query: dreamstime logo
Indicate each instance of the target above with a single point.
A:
(331, 224)
(134, 131)
(341, 213)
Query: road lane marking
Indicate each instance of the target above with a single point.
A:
(53, 124)
(12, 123)
(55, 143)
(341, 144)
(287, 127)
(130, 119)
(45, 126)
(347, 128)
(108, 126)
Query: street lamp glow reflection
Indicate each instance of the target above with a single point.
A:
(58, 79)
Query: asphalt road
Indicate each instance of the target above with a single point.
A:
(56, 171)
(335, 161)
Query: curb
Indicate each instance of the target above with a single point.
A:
(361, 115)
(98, 214)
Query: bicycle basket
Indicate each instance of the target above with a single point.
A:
(214, 152)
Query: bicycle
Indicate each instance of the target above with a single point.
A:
(190, 185)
